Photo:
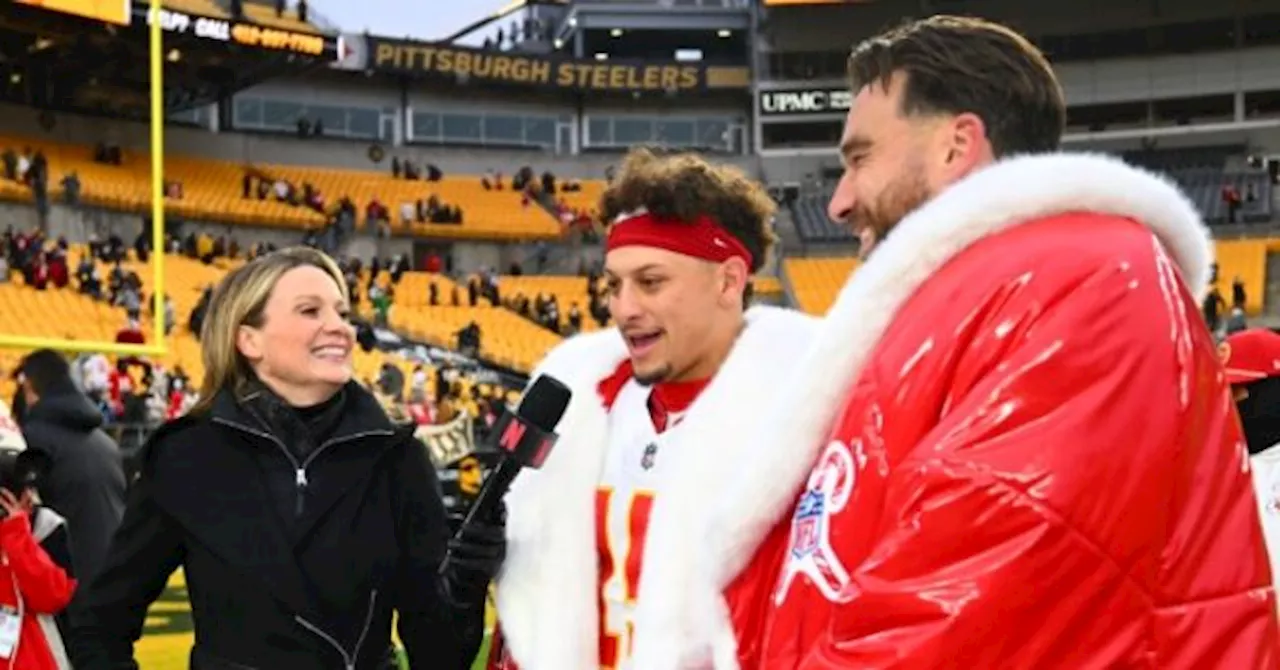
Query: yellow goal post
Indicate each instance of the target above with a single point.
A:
(157, 346)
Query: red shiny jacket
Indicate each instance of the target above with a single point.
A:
(1039, 465)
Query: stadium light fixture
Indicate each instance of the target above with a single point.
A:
(157, 347)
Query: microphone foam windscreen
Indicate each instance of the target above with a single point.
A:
(544, 403)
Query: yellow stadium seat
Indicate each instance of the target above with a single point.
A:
(766, 286)
(212, 190)
(567, 289)
(817, 281)
(585, 200)
(1246, 259)
(494, 215)
(506, 338)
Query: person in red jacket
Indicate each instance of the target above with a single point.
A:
(1012, 444)
(35, 580)
(602, 540)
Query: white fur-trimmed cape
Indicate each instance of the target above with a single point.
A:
(547, 592)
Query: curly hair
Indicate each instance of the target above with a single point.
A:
(684, 187)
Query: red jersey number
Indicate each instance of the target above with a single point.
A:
(620, 563)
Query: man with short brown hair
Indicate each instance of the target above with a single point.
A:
(1011, 445)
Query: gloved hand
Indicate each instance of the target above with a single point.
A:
(475, 554)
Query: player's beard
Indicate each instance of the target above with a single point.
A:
(874, 220)
(652, 377)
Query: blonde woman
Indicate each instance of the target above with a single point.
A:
(301, 516)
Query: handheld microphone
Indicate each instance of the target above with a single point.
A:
(524, 439)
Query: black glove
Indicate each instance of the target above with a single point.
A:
(475, 554)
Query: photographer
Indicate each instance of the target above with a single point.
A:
(35, 560)
(85, 482)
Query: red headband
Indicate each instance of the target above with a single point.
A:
(701, 238)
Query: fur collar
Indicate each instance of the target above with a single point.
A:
(547, 595)
(999, 197)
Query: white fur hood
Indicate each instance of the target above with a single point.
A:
(547, 593)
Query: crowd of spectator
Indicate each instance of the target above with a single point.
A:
(133, 390)
(456, 393)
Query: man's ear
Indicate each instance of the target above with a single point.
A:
(966, 147)
(734, 275)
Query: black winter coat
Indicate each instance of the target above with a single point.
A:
(368, 540)
(85, 483)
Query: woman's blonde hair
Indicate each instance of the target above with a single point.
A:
(239, 300)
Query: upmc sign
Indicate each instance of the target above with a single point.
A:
(819, 101)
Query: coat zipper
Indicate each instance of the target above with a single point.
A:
(300, 486)
(300, 481)
(349, 659)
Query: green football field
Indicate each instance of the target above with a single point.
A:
(166, 640)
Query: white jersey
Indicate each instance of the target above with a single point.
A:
(1266, 486)
(632, 470)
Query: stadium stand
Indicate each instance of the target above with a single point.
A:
(70, 314)
(767, 286)
(568, 291)
(506, 338)
(58, 313)
(815, 282)
(1246, 259)
(496, 214)
(1201, 172)
(585, 199)
(812, 223)
(213, 191)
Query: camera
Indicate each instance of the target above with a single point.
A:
(22, 469)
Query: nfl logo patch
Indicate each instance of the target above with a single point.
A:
(650, 454)
(807, 524)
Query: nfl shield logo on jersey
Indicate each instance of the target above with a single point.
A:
(650, 454)
(831, 483)
(806, 527)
